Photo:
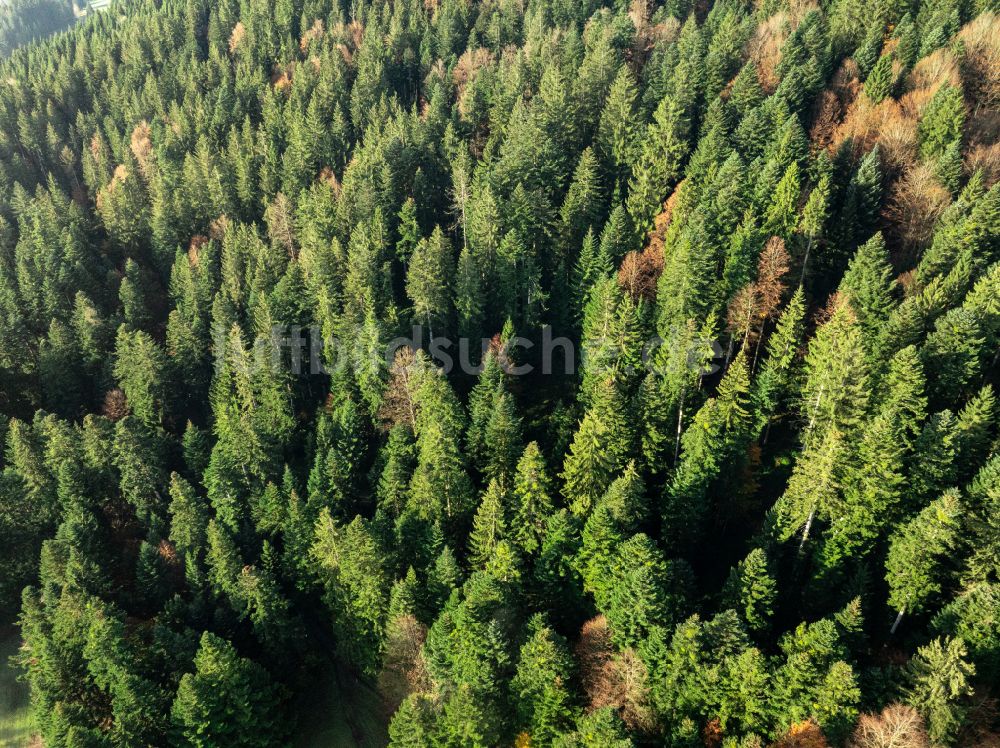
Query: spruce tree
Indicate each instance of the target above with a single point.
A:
(226, 698)
(939, 686)
(533, 497)
(751, 590)
(489, 526)
(540, 685)
(914, 565)
(942, 121)
(881, 80)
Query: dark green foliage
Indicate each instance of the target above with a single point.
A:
(226, 698)
(881, 80)
(751, 590)
(942, 121)
(229, 473)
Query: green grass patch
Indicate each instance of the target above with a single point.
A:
(15, 716)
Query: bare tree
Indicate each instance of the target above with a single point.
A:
(898, 726)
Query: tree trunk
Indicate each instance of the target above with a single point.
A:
(805, 261)
(680, 421)
(812, 418)
(895, 624)
(756, 348)
(805, 530)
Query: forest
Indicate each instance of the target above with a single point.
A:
(22, 21)
(752, 497)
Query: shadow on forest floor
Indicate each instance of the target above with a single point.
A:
(341, 711)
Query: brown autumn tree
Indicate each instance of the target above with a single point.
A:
(115, 405)
(916, 201)
(142, 146)
(802, 735)
(639, 273)
(756, 303)
(315, 31)
(611, 678)
(403, 670)
(236, 38)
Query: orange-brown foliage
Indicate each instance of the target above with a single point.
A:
(662, 221)
(828, 111)
(115, 405)
(764, 48)
(610, 678)
(799, 9)
(315, 31)
(357, 31)
(119, 175)
(802, 735)
(281, 78)
(647, 34)
(349, 38)
(771, 269)
(142, 145)
(915, 203)
(194, 249)
(892, 123)
(639, 273)
(984, 158)
(981, 60)
(168, 552)
(471, 61)
(711, 734)
(898, 726)
(886, 124)
(239, 32)
(345, 52)
(833, 103)
(758, 301)
(217, 227)
(930, 73)
(466, 70)
(327, 176)
(96, 146)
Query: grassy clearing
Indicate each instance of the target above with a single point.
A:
(15, 719)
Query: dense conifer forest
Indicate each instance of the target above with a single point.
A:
(695, 441)
(22, 21)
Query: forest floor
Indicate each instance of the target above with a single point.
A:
(341, 711)
(15, 717)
